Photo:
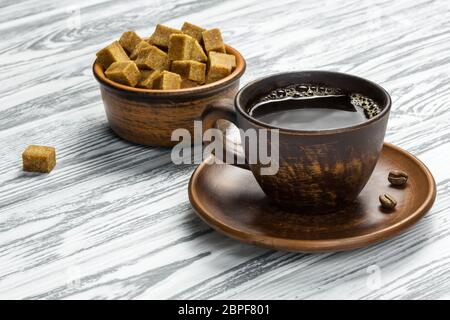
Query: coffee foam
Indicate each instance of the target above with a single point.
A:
(371, 108)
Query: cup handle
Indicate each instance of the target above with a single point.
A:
(210, 116)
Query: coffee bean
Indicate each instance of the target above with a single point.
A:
(387, 201)
(397, 177)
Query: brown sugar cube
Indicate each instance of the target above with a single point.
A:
(212, 39)
(161, 35)
(180, 46)
(129, 40)
(112, 53)
(193, 31)
(167, 81)
(222, 58)
(124, 72)
(39, 159)
(141, 45)
(145, 74)
(147, 78)
(185, 83)
(189, 69)
(217, 70)
(152, 58)
(197, 53)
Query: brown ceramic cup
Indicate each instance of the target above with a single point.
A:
(318, 169)
(149, 117)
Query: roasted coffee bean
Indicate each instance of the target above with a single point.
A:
(397, 177)
(387, 201)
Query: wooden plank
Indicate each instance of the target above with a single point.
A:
(113, 220)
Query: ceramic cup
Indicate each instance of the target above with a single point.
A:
(321, 169)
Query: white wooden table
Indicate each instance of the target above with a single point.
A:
(113, 219)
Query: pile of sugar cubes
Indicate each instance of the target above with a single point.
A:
(170, 59)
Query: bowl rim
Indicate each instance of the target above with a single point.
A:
(236, 74)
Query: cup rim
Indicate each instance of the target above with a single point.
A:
(263, 125)
(99, 74)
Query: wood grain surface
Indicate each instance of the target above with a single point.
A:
(113, 221)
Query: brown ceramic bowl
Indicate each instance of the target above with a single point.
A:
(148, 116)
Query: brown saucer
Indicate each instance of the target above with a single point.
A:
(230, 200)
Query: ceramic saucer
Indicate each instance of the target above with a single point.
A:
(230, 200)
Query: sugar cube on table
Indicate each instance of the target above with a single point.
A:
(39, 159)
